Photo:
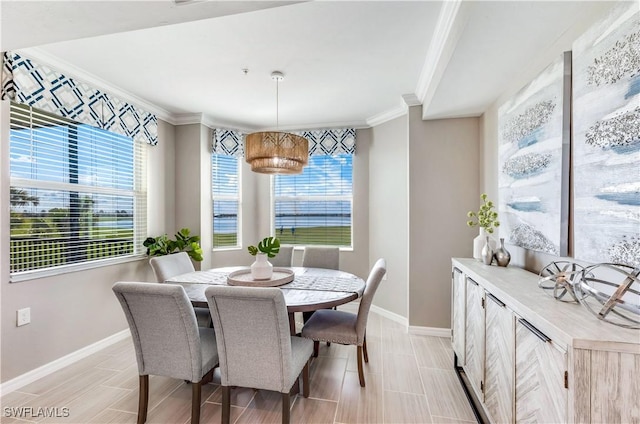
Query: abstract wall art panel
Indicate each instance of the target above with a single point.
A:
(606, 149)
(534, 137)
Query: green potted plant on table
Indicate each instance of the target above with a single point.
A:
(184, 242)
(262, 269)
(486, 219)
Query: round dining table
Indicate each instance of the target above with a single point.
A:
(310, 290)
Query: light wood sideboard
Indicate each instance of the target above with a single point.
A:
(530, 358)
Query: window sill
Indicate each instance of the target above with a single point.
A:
(66, 269)
(227, 249)
(299, 247)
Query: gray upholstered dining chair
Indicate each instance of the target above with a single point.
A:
(165, 267)
(321, 257)
(343, 327)
(283, 258)
(255, 345)
(168, 266)
(167, 339)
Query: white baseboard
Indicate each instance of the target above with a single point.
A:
(51, 367)
(430, 331)
(391, 315)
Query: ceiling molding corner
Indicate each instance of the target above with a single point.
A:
(187, 119)
(82, 75)
(411, 100)
(451, 22)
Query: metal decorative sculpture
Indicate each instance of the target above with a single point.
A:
(616, 303)
(557, 279)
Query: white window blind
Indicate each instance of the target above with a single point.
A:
(315, 207)
(78, 193)
(226, 200)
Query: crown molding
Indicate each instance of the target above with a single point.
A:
(211, 122)
(82, 75)
(388, 115)
(451, 22)
(319, 126)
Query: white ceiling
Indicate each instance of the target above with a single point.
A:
(346, 63)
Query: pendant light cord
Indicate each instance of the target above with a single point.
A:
(277, 104)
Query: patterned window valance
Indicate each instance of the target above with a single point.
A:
(27, 82)
(321, 142)
(330, 142)
(228, 142)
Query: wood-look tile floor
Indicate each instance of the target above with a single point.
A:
(409, 379)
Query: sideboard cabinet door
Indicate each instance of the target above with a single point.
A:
(458, 296)
(499, 353)
(474, 337)
(540, 395)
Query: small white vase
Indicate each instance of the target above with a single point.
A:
(261, 269)
(479, 242)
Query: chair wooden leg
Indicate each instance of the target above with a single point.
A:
(364, 349)
(286, 408)
(360, 370)
(305, 379)
(292, 324)
(196, 395)
(316, 348)
(143, 399)
(226, 404)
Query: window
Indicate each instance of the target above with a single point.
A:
(315, 207)
(78, 193)
(226, 200)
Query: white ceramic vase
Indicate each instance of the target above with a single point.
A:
(261, 269)
(479, 242)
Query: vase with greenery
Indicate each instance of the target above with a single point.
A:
(486, 219)
(184, 242)
(268, 247)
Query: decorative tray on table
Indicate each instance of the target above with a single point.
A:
(243, 278)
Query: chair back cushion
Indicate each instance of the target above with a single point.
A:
(373, 281)
(321, 257)
(168, 266)
(252, 332)
(283, 258)
(163, 328)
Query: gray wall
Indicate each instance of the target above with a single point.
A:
(189, 184)
(389, 211)
(443, 186)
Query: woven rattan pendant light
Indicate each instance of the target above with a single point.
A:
(274, 152)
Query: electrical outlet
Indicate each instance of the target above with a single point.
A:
(23, 317)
